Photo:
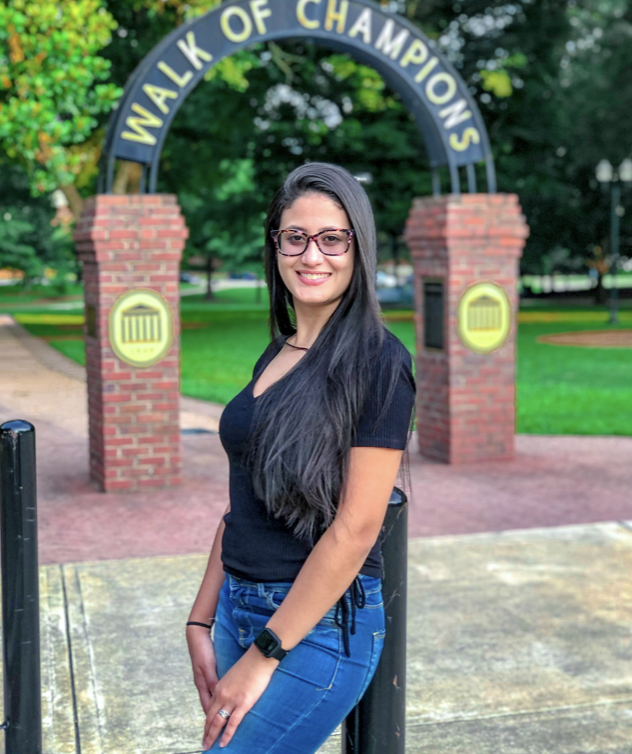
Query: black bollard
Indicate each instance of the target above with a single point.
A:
(20, 590)
(377, 724)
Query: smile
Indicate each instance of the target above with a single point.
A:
(314, 275)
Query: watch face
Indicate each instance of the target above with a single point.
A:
(266, 641)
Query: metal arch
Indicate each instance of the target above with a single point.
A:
(428, 118)
(107, 160)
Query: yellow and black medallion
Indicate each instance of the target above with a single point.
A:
(484, 317)
(141, 327)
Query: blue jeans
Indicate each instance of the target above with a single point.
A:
(315, 686)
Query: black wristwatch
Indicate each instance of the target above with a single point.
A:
(269, 644)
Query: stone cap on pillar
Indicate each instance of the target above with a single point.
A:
(495, 218)
(112, 224)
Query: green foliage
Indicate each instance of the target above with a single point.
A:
(551, 79)
(28, 242)
(15, 252)
(498, 82)
(541, 72)
(233, 70)
(49, 73)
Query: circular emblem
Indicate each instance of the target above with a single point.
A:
(484, 317)
(141, 327)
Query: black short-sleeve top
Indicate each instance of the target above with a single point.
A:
(259, 547)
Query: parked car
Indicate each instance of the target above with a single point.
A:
(189, 277)
(385, 280)
(242, 276)
(403, 294)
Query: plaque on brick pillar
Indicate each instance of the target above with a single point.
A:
(131, 248)
(467, 247)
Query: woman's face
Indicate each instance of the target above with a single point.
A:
(314, 278)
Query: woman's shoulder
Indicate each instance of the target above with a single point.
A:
(392, 344)
(393, 351)
(386, 414)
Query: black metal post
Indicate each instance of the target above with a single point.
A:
(377, 725)
(614, 248)
(20, 590)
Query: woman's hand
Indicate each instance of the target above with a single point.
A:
(236, 693)
(202, 652)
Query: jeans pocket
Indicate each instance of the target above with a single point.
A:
(275, 596)
(376, 653)
(374, 597)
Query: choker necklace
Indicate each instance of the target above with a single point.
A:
(300, 348)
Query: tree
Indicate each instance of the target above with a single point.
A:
(542, 71)
(28, 241)
(50, 97)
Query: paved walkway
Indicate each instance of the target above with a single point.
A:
(520, 597)
(518, 643)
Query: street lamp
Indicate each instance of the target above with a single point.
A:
(606, 175)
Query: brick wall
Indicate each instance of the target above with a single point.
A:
(128, 242)
(465, 400)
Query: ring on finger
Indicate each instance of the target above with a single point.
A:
(224, 714)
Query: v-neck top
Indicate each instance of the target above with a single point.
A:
(259, 547)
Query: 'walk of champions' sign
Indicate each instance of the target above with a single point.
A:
(438, 98)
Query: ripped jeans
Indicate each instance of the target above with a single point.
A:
(316, 685)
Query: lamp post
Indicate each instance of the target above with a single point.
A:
(607, 177)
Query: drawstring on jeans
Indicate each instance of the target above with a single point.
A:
(358, 599)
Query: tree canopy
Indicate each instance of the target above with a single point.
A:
(550, 77)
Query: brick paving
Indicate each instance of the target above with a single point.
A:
(553, 481)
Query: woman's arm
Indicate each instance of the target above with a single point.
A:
(206, 601)
(327, 573)
(201, 647)
(339, 554)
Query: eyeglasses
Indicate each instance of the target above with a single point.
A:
(332, 242)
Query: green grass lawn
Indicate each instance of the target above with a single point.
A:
(560, 390)
(571, 390)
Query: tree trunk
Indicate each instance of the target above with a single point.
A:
(210, 296)
(128, 177)
(75, 200)
(599, 291)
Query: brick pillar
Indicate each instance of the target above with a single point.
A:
(128, 243)
(465, 399)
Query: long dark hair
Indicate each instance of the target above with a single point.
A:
(304, 424)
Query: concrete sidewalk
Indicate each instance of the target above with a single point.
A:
(519, 642)
(520, 586)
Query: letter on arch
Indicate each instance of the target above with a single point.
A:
(192, 52)
(339, 17)
(138, 126)
(302, 16)
(386, 43)
(362, 26)
(470, 136)
(158, 96)
(455, 114)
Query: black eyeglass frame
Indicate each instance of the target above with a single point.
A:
(314, 237)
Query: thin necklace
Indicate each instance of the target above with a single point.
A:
(300, 348)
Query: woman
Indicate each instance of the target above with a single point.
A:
(314, 443)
